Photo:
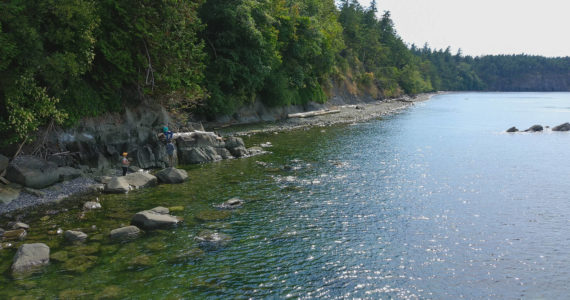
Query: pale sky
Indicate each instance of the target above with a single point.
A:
(480, 27)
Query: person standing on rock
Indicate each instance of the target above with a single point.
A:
(167, 133)
(170, 152)
(125, 163)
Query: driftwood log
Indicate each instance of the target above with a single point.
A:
(313, 113)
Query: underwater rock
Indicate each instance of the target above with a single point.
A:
(74, 236)
(125, 233)
(19, 234)
(30, 256)
(232, 203)
(172, 175)
(90, 205)
(151, 219)
(18, 225)
(192, 254)
(86, 249)
(210, 239)
(212, 215)
(141, 261)
(110, 292)
(59, 256)
(74, 294)
(79, 264)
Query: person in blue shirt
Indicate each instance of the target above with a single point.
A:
(167, 133)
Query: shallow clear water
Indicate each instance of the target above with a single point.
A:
(436, 202)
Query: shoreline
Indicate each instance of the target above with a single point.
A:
(353, 113)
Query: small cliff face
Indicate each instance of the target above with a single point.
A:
(99, 142)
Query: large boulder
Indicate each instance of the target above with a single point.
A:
(198, 155)
(125, 233)
(30, 256)
(236, 146)
(562, 127)
(141, 180)
(33, 172)
(117, 185)
(153, 219)
(172, 175)
(535, 128)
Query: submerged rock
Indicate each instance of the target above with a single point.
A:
(535, 128)
(232, 203)
(512, 129)
(91, 205)
(141, 261)
(562, 127)
(80, 263)
(172, 175)
(210, 239)
(18, 234)
(151, 219)
(60, 256)
(30, 256)
(125, 233)
(75, 236)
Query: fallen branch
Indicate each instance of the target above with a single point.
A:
(313, 113)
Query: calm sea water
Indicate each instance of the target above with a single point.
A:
(436, 202)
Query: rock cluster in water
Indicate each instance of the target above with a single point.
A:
(540, 128)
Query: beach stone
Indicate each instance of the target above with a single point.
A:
(535, 128)
(91, 205)
(4, 161)
(103, 179)
(80, 263)
(125, 233)
(18, 234)
(74, 236)
(562, 127)
(68, 173)
(117, 185)
(32, 172)
(512, 129)
(141, 180)
(210, 239)
(150, 219)
(30, 256)
(8, 194)
(18, 225)
(212, 215)
(232, 203)
(172, 175)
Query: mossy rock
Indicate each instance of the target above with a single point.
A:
(86, 249)
(176, 208)
(110, 292)
(212, 215)
(60, 256)
(155, 246)
(73, 294)
(141, 261)
(79, 264)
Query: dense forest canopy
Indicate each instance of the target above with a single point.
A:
(61, 60)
